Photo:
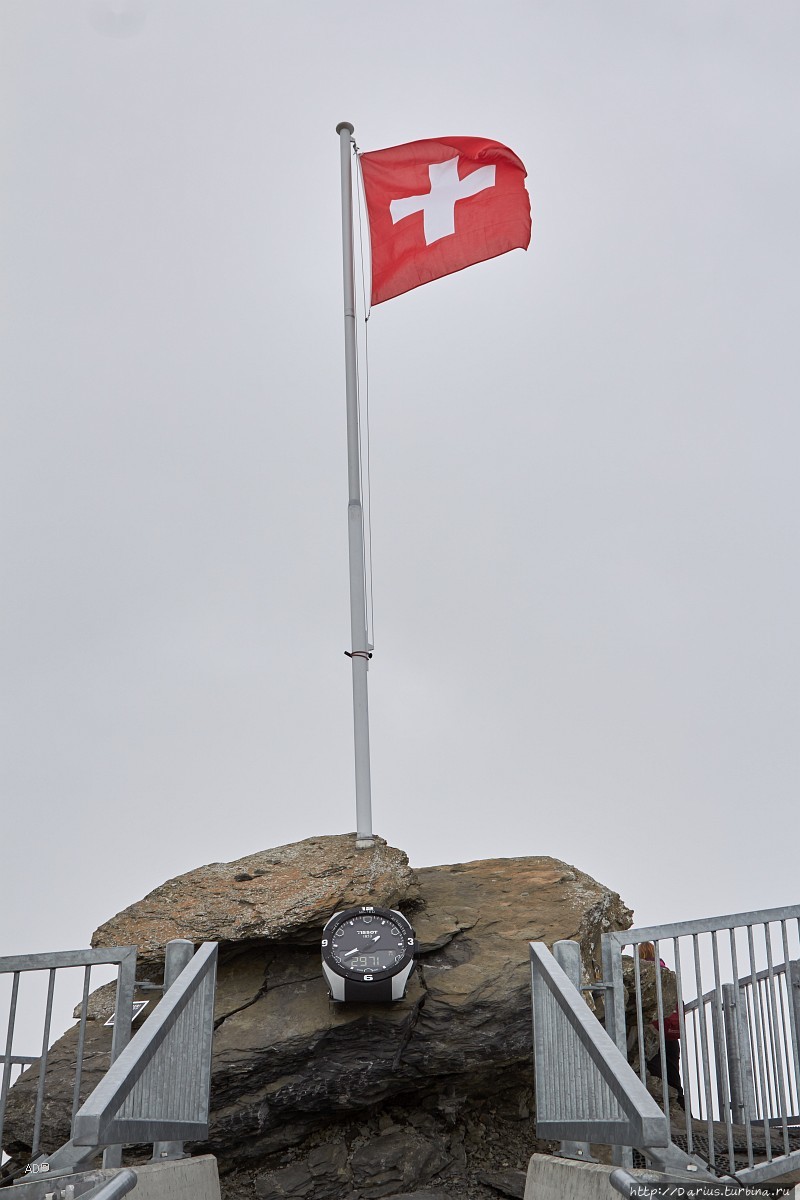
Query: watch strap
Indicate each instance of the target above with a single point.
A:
(378, 991)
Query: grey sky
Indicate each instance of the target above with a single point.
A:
(584, 459)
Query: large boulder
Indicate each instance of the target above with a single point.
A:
(285, 894)
(310, 1098)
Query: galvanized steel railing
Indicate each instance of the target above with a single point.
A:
(157, 1086)
(583, 1082)
(157, 1090)
(739, 1047)
(124, 958)
(748, 1013)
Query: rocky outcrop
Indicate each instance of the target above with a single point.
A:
(276, 895)
(430, 1096)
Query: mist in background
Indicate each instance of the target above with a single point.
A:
(583, 458)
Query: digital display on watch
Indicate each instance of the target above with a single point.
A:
(377, 961)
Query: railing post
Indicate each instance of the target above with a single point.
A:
(121, 1034)
(748, 1070)
(622, 1156)
(568, 956)
(734, 1054)
(178, 954)
(720, 1061)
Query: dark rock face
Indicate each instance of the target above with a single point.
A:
(426, 1097)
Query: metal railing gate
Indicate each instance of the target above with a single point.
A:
(157, 1086)
(124, 958)
(737, 1014)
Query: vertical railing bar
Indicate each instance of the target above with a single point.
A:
(37, 1126)
(751, 1030)
(687, 1090)
(760, 1044)
(722, 1075)
(792, 1021)
(534, 1000)
(698, 975)
(76, 1093)
(662, 1045)
(637, 975)
(788, 1073)
(769, 1053)
(758, 1110)
(741, 999)
(12, 1016)
(717, 1044)
(622, 1156)
(697, 1071)
(778, 1061)
(715, 1010)
(748, 1076)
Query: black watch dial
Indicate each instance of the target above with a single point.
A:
(368, 943)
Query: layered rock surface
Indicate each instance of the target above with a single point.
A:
(285, 894)
(430, 1096)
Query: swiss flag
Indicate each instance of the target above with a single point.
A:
(440, 205)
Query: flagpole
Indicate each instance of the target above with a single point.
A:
(359, 652)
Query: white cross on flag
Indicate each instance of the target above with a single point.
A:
(439, 205)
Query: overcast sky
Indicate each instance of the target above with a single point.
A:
(584, 458)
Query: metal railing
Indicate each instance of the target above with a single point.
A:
(753, 1093)
(157, 1086)
(157, 1090)
(583, 1082)
(124, 958)
(738, 1067)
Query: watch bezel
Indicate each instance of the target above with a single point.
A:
(347, 914)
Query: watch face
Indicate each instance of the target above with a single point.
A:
(367, 943)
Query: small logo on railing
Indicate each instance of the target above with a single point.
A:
(137, 1008)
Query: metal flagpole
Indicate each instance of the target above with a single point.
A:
(359, 653)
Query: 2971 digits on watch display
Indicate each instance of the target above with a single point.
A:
(367, 954)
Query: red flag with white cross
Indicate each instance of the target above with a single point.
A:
(440, 205)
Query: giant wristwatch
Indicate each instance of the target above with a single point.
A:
(367, 954)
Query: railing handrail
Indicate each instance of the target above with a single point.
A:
(656, 933)
(54, 959)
